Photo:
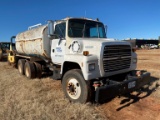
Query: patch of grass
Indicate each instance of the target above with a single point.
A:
(38, 99)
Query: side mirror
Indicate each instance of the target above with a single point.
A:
(50, 28)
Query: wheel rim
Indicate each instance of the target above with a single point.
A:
(27, 72)
(73, 88)
(19, 68)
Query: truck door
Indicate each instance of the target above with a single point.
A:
(58, 44)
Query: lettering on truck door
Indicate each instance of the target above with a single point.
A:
(58, 44)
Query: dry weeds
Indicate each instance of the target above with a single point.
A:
(38, 99)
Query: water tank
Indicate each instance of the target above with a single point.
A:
(34, 42)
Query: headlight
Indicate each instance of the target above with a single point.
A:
(134, 60)
(91, 67)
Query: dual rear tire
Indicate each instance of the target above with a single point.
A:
(20, 66)
(30, 69)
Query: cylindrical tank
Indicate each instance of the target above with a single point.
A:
(34, 42)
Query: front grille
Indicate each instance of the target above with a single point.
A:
(116, 57)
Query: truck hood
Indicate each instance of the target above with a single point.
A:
(95, 45)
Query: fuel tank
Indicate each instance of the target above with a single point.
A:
(34, 42)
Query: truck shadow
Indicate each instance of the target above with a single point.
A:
(146, 90)
(143, 92)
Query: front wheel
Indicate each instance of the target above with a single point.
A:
(75, 88)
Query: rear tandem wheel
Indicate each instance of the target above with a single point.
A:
(29, 69)
(21, 63)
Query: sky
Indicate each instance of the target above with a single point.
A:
(124, 18)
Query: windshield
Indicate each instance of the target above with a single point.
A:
(85, 28)
(4, 46)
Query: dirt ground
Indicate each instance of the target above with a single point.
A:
(43, 99)
(140, 105)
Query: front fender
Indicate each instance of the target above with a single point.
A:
(83, 62)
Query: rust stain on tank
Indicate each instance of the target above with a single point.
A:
(21, 45)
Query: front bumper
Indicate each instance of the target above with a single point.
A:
(118, 88)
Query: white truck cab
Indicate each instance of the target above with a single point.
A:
(84, 42)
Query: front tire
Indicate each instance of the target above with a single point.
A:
(75, 88)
